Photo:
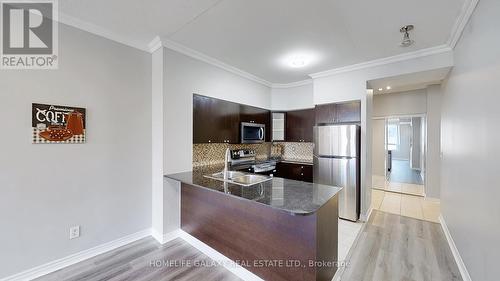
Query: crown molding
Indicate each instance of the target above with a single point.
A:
(291, 85)
(383, 61)
(167, 43)
(459, 26)
(97, 30)
(462, 20)
(155, 44)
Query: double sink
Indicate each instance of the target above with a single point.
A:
(239, 178)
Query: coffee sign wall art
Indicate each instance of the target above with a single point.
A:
(57, 123)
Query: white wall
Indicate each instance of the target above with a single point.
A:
(182, 77)
(404, 103)
(185, 76)
(103, 185)
(299, 97)
(157, 139)
(470, 144)
(432, 165)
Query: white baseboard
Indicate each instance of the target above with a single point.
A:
(365, 218)
(230, 265)
(454, 250)
(340, 271)
(157, 236)
(432, 199)
(78, 257)
(167, 237)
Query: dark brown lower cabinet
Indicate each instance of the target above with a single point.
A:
(271, 243)
(294, 171)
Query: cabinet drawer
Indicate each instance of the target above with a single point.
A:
(299, 172)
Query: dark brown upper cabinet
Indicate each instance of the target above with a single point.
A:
(215, 121)
(299, 125)
(346, 112)
(202, 116)
(251, 114)
(218, 121)
(230, 126)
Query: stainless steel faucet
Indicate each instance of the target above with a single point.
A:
(227, 157)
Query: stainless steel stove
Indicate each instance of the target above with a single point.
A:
(244, 160)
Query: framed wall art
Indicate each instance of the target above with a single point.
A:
(57, 124)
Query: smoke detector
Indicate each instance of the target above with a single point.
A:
(406, 36)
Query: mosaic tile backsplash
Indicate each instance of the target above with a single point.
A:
(213, 153)
(297, 151)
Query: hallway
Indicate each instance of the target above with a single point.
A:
(402, 173)
(402, 180)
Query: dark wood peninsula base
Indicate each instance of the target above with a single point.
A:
(271, 243)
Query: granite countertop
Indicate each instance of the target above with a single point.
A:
(294, 197)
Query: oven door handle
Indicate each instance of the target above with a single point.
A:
(261, 133)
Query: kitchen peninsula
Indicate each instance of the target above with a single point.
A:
(279, 229)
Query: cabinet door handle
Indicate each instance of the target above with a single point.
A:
(301, 174)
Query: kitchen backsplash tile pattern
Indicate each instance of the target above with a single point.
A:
(213, 153)
(297, 151)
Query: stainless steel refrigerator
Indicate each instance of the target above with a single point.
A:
(336, 162)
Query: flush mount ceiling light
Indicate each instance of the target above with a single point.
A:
(388, 87)
(380, 89)
(298, 61)
(406, 36)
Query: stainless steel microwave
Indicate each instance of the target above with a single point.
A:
(252, 132)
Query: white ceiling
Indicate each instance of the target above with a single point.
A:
(409, 82)
(255, 35)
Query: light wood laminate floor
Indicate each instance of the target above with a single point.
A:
(133, 262)
(396, 248)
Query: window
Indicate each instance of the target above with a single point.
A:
(393, 136)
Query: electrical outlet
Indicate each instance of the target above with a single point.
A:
(74, 232)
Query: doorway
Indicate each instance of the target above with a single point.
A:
(399, 152)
